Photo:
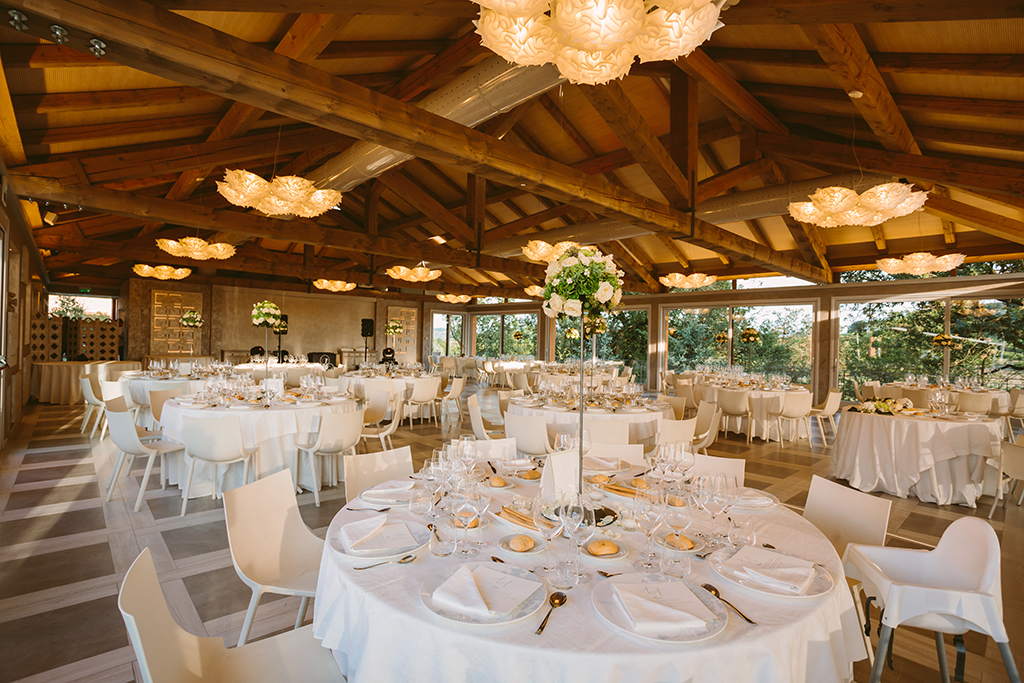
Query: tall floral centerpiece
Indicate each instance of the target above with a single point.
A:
(393, 328)
(266, 314)
(582, 283)
(192, 321)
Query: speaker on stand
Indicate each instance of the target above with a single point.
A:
(367, 332)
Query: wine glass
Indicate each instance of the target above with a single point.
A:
(465, 508)
(549, 525)
(480, 500)
(649, 507)
(577, 517)
(679, 518)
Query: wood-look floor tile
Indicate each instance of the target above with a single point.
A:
(195, 540)
(61, 442)
(58, 494)
(56, 456)
(219, 593)
(55, 473)
(165, 507)
(15, 531)
(39, 572)
(319, 517)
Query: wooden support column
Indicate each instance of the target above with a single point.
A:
(684, 143)
(371, 210)
(476, 209)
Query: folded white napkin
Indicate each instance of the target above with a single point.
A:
(598, 464)
(354, 533)
(774, 570)
(483, 592)
(751, 498)
(460, 594)
(661, 607)
(388, 492)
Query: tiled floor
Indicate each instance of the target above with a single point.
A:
(64, 551)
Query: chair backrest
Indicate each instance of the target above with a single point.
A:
(704, 440)
(109, 390)
(458, 386)
(706, 464)
(519, 381)
(123, 434)
(477, 418)
(396, 417)
(380, 385)
(797, 404)
(632, 453)
(846, 515)
(684, 390)
(366, 470)
(705, 413)
(530, 433)
(970, 402)
(213, 439)
(160, 644)
(495, 449)
(158, 398)
(870, 391)
(87, 393)
(340, 383)
(681, 431)
(677, 403)
(424, 389)
(116, 405)
(504, 396)
(856, 391)
(733, 402)
(833, 402)
(339, 431)
(293, 375)
(919, 397)
(1012, 457)
(608, 431)
(376, 408)
(266, 534)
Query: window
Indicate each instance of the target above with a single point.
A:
(626, 340)
(488, 335)
(96, 307)
(784, 341)
(988, 341)
(447, 334)
(506, 334)
(693, 337)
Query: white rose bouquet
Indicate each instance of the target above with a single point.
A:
(281, 327)
(885, 406)
(393, 328)
(191, 319)
(265, 314)
(582, 281)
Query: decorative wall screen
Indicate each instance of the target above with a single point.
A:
(167, 336)
(45, 339)
(97, 339)
(405, 343)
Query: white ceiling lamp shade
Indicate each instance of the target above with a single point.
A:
(334, 285)
(196, 248)
(284, 195)
(920, 263)
(417, 274)
(595, 41)
(544, 252)
(833, 207)
(692, 281)
(534, 290)
(161, 272)
(454, 298)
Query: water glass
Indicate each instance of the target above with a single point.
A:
(442, 541)
(421, 502)
(675, 563)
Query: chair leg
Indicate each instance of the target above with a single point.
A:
(1011, 666)
(103, 432)
(95, 425)
(940, 647)
(145, 481)
(163, 470)
(85, 418)
(998, 495)
(316, 477)
(250, 614)
(188, 487)
(118, 464)
(302, 611)
(883, 645)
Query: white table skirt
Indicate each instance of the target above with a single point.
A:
(273, 430)
(643, 427)
(57, 381)
(761, 403)
(380, 631)
(938, 461)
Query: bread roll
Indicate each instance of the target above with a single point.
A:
(600, 479)
(639, 483)
(460, 521)
(530, 474)
(677, 501)
(599, 548)
(497, 482)
(521, 543)
(678, 541)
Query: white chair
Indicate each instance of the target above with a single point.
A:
(167, 653)
(482, 428)
(271, 547)
(735, 404)
(709, 464)
(632, 453)
(677, 431)
(827, 411)
(504, 396)
(92, 404)
(455, 395)
(376, 408)
(872, 390)
(495, 449)
(340, 383)
(112, 390)
(678, 405)
(668, 381)
(520, 381)
(487, 372)
(919, 397)
(608, 431)
(157, 399)
(385, 432)
(796, 407)
(217, 441)
(684, 390)
(701, 441)
(124, 435)
(969, 402)
(366, 470)
(1015, 412)
(337, 434)
(530, 433)
(1010, 466)
(954, 588)
(424, 395)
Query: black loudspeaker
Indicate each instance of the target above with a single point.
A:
(367, 327)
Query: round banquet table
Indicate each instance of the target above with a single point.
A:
(57, 381)
(643, 426)
(1000, 398)
(379, 630)
(357, 383)
(138, 386)
(272, 429)
(937, 460)
(761, 403)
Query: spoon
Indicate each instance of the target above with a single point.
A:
(434, 529)
(557, 600)
(501, 561)
(405, 560)
(714, 591)
(607, 575)
(768, 545)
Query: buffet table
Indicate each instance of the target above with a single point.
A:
(644, 425)
(936, 460)
(362, 616)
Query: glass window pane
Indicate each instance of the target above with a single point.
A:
(784, 346)
(454, 335)
(988, 342)
(567, 339)
(692, 337)
(437, 335)
(520, 334)
(626, 340)
(488, 335)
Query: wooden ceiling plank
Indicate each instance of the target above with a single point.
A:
(727, 180)
(992, 223)
(12, 148)
(995, 65)
(405, 187)
(846, 55)
(533, 220)
(103, 131)
(53, 103)
(444, 61)
(766, 12)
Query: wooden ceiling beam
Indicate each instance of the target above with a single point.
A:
(711, 131)
(765, 12)
(677, 253)
(684, 128)
(183, 126)
(628, 261)
(846, 55)
(878, 234)
(1000, 178)
(532, 221)
(405, 187)
(100, 100)
(989, 222)
(727, 180)
(446, 59)
(398, 8)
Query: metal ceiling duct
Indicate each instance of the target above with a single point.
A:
(492, 87)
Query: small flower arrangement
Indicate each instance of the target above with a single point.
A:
(517, 335)
(394, 327)
(582, 281)
(943, 340)
(885, 406)
(572, 333)
(595, 325)
(191, 319)
(750, 336)
(265, 314)
(722, 338)
(281, 327)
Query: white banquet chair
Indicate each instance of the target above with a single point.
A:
(919, 397)
(796, 407)
(710, 464)
(454, 395)
(495, 449)
(124, 435)
(366, 470)
(736, 404)
(94, 404)
(827, 411)
(217, 441)
(482, 427)
(677, 431)
(385, 432)
(118, 405)
(608, 431)
(970, 402)
(677, 404)
(1010, 465)
(376, 408)
(424, 395)
(703, 439)
(158, 398)
(1014, 412)
(503, 398)
(530, 433)
(632, 453)
(167, 653)
(953, 589)
(337, 435)
(112, 390)
(684, 390)
(272, 549)
(340, 383)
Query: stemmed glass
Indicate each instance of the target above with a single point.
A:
(577, 517)
(431, 475)
(481, 501)
(467, 506)
(649, 506)
(679, 518)
(549, 525)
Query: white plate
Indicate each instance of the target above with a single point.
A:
(539, 544)
(513, 525)
(419, 532)
(623, 467)
(558, 409)
(610, 610)
(698, 543)
(659, 407)
(482, 525)
(311, 403)
(526, 481)
(508, 484)
(623, 551)
(750, 508)
(821, 584)
(528, 608)
(634, 409)
(598, 410)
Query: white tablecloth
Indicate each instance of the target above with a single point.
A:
(57, 381)
(938, 461)
(379, 630)
(273, 430)
(292, 371)
(137, 386)
(357, 384)
(643, 426)
(761, 403)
